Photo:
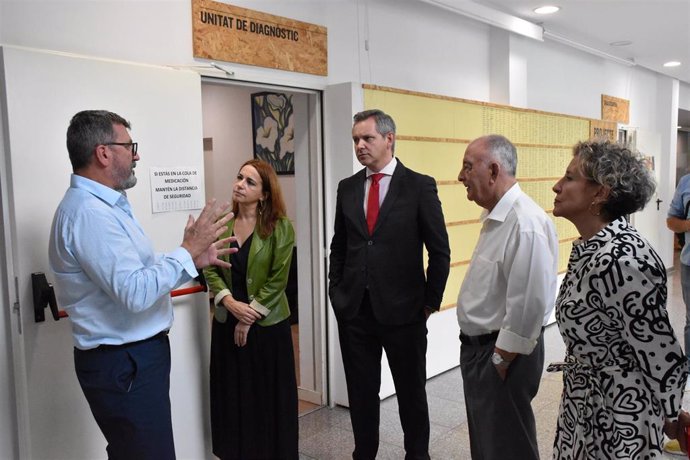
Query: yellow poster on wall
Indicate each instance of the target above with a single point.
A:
(432, 134)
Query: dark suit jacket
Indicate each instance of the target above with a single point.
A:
(390, 262)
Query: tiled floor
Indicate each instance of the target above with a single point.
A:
(327, 434)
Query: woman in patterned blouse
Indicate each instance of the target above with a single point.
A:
(624, 371)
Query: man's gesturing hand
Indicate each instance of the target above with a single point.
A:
(201, 235)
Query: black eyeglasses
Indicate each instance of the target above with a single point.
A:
(131, 145)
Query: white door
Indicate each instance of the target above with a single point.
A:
(650, 222)
(43, 90)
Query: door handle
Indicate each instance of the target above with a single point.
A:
(658, 202)
(44, 295)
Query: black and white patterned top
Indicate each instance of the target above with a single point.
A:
(625, 368)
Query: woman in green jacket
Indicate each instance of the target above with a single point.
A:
(253, 385)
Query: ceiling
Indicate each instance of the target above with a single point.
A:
(658, 29)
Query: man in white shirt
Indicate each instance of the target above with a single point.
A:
(505, 300)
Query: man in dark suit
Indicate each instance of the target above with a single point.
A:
(385, 215)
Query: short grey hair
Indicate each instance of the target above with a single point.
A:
(620, 169)
(384, 122)
(86, 131)
(503, 151)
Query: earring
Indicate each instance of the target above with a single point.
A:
(594, 213)
(261, 206)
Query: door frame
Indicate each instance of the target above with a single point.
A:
(312, 248)
(9, 289)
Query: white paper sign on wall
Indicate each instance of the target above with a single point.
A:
(176, 189)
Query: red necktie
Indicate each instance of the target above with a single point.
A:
(373, 201)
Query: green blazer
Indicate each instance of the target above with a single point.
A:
(267, 274)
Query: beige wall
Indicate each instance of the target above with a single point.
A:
(227, 121)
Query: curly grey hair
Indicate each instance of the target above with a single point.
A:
(622, 170)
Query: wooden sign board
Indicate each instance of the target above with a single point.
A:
(615, 109)
(229, 33)
(599, 129)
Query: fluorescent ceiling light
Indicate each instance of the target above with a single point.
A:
(492, 17)
(672, 64)
(547, 9)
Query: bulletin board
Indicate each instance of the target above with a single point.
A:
(432, 135)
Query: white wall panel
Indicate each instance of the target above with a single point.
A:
(164, 106)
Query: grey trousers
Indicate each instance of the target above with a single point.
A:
(499, 413)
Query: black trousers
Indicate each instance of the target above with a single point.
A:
(499, 413)
(253, 393)
(127, 388)
(361, 342)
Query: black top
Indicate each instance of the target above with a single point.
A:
(240, 262)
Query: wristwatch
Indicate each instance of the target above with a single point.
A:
(498, 360)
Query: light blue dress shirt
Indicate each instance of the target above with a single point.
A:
(677, 209)
(108, 278)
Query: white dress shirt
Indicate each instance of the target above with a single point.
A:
(510, 285)
(384, 182)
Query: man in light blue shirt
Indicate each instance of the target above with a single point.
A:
(116, 289)
(678, 223)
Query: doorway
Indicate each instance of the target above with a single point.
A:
(683, 145)
(229, 137)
